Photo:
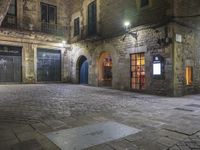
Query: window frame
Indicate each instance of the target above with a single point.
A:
(189, 75)
(48, 7)
(138, 71)
(8, 15)
(77, 26)
(144, 5)
(92, 22)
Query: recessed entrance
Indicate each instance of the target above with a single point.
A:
(138, 71)
(48, 65)
(10, 64)
(105, 70)
(82, 70)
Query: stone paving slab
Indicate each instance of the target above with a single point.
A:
(26, 116)
(41, 127)
(54, 124)
(28, 145)
(91, 135)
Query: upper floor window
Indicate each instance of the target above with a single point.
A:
(11, 17)
(48, 13)
(76, 26)
(144, 3)
(92, 18)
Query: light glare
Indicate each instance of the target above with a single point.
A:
(127, 23)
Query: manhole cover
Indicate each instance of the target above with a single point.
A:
(91, 135)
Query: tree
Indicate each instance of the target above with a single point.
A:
(4, 6)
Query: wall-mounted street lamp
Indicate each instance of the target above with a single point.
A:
(127, 26)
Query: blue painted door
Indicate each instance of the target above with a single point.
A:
(84, 73)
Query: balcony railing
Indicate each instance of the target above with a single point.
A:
(53, 29)
(90, 35)
(43, 27)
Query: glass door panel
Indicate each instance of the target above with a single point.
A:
(138, 71)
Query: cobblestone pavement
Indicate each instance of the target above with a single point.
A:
(29, 111)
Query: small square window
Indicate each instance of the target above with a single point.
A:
(189, 75)
(144, 3)
(76, 26)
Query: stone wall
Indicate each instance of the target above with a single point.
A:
(120, 51)
(173, 17)
(29, 12)
(112, 14)
(186, 53)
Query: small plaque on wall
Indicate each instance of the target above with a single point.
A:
(179, 38)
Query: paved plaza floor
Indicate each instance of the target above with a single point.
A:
(73, 117)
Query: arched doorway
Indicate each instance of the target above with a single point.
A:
(105, 69)
(82, 70)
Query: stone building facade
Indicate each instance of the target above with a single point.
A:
(155, 36)
(148, 46)
(27, 30)
(186, 48)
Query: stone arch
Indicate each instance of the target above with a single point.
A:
(105, 69)
(98, 51)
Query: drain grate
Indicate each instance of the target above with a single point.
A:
(184, 109)
(194, 105)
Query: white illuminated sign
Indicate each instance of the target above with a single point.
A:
(157, 69)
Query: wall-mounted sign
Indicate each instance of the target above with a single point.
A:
(158, 66)
(179, 38)
(157, 69)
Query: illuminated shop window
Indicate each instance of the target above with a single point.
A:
(189, 74)
(138, 71)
